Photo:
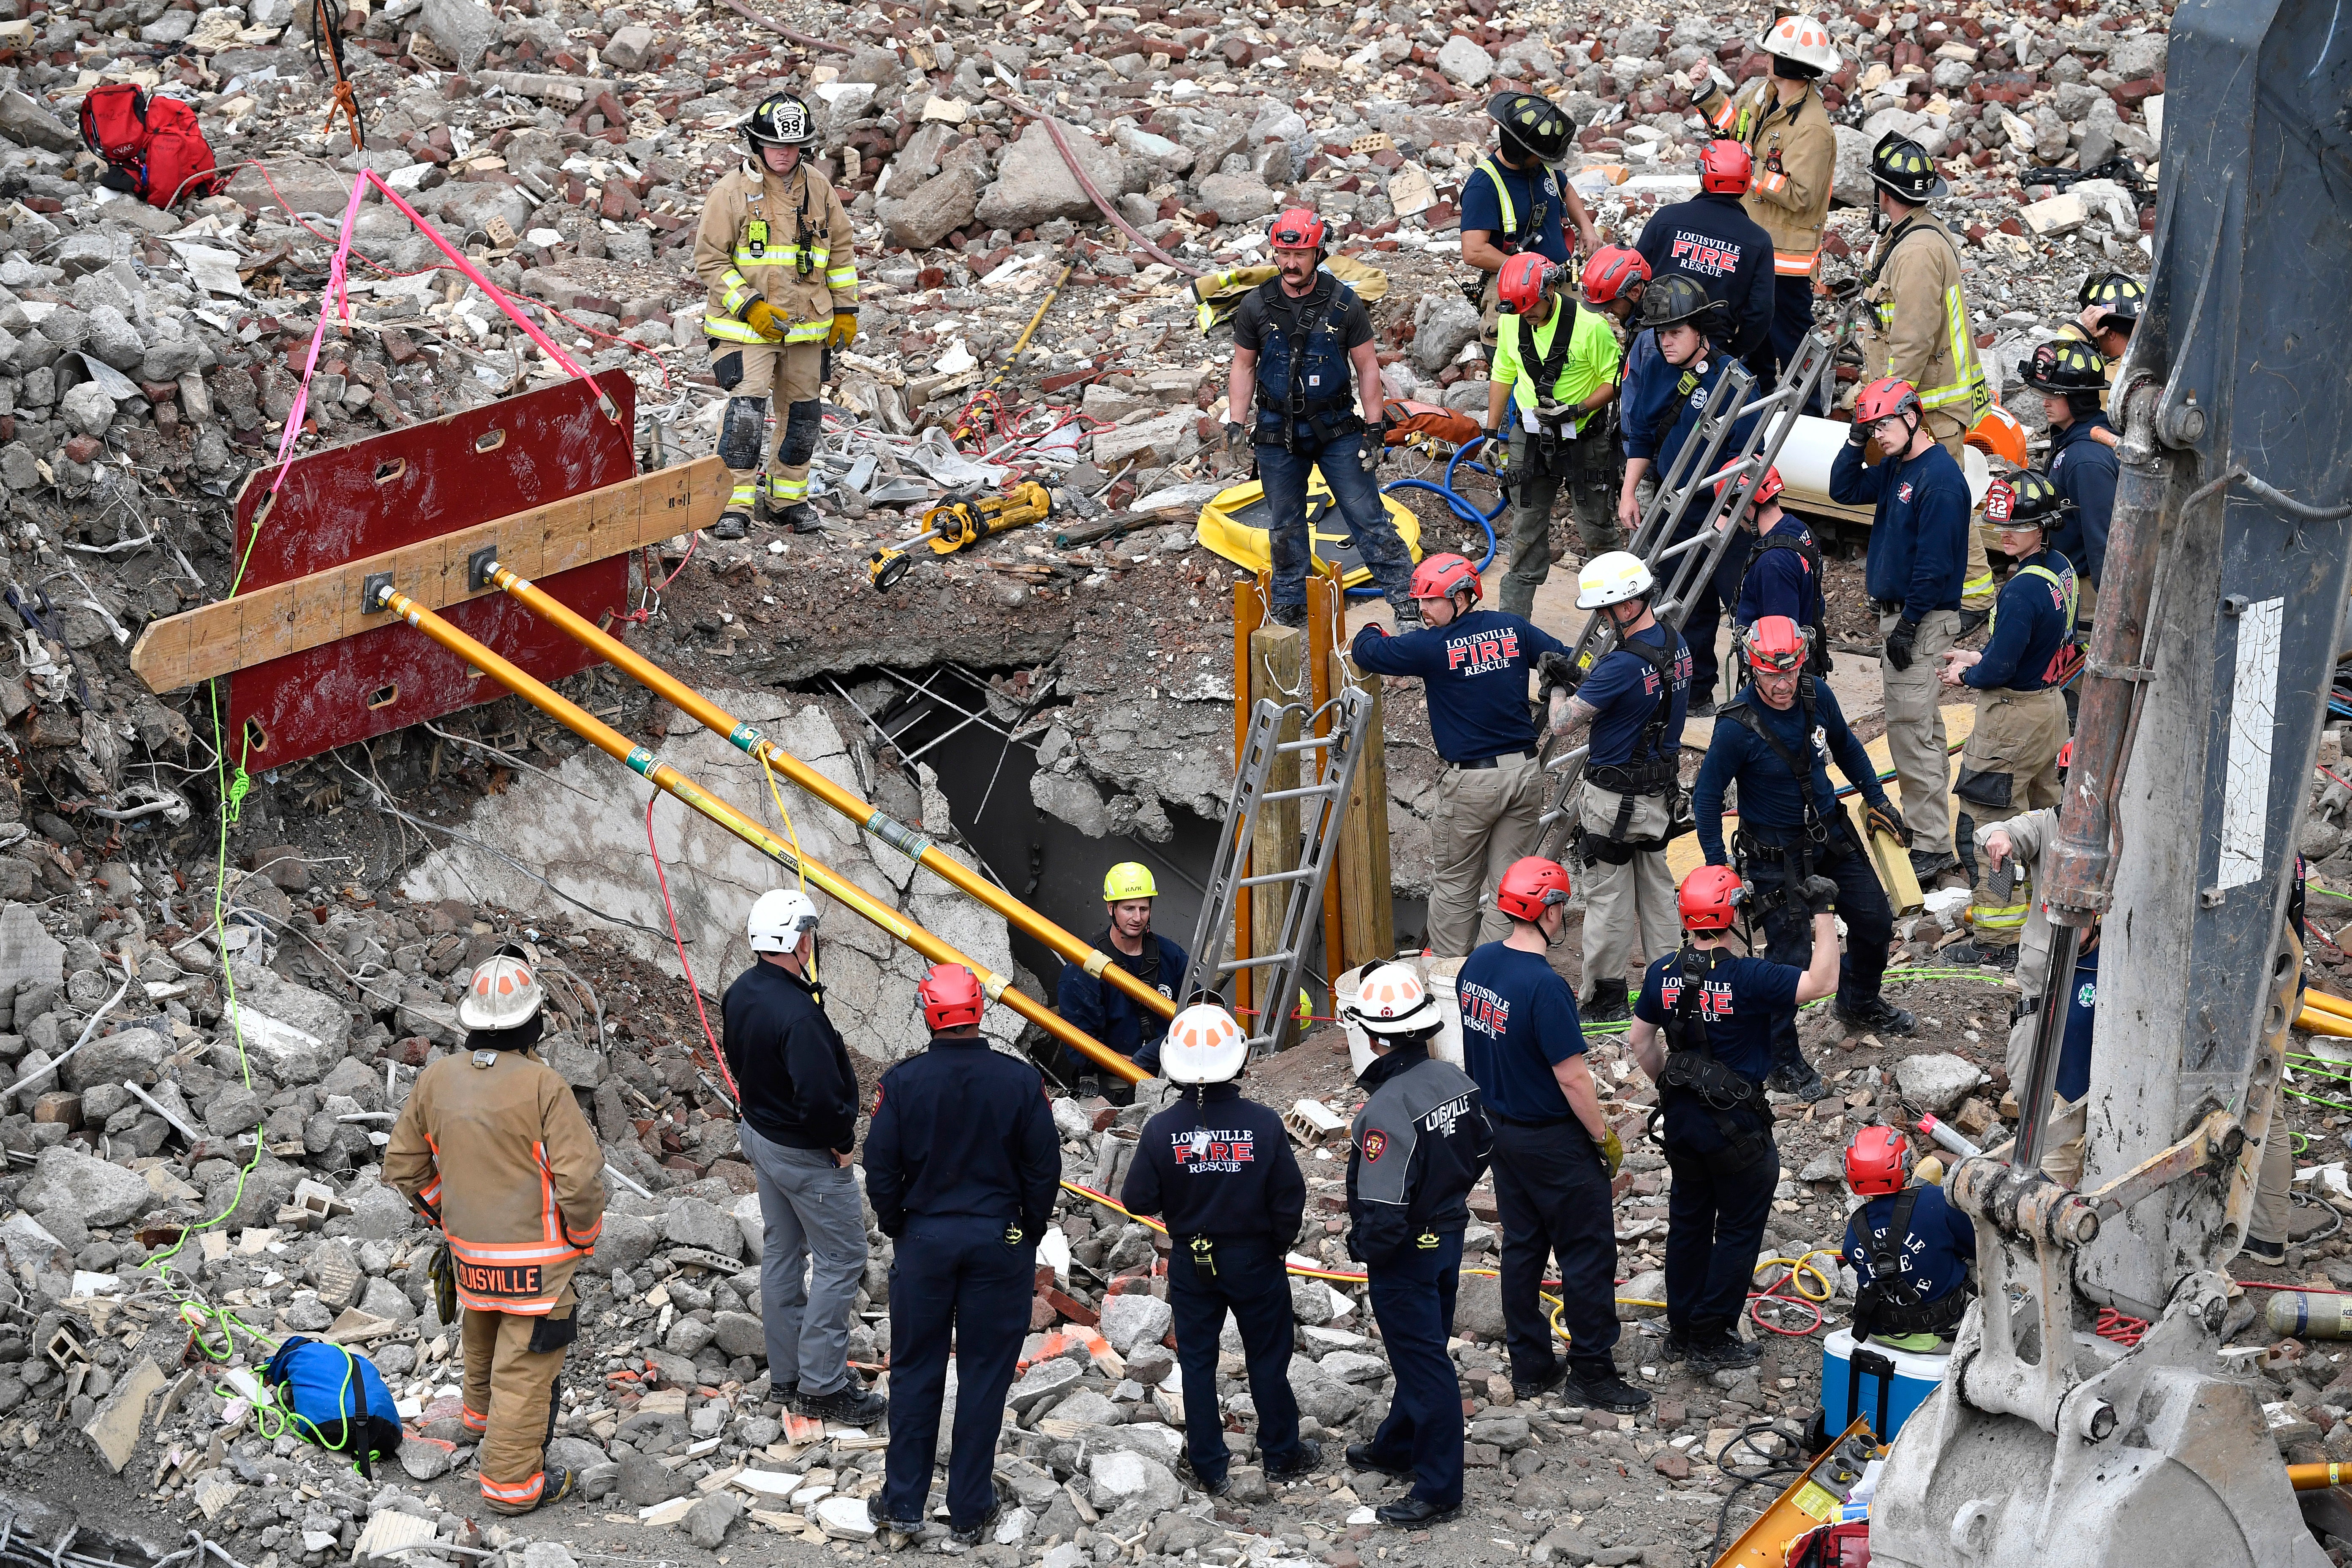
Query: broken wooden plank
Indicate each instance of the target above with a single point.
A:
(323, 607)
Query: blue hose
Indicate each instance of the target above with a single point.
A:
(1459, 504)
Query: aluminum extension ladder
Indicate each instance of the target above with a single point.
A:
(1680, 566)
(1336, 756)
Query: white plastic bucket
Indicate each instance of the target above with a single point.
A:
(1438, 975)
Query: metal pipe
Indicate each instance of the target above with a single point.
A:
(668, 780)
(907, 840)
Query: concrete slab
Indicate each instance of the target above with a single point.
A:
(594, 847)
(27, 951)
(114, 1429)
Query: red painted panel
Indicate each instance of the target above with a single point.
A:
(505, 456)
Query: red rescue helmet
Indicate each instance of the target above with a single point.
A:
(1884, 399)
(1877, 1161)
(1709, 898)
(1298, 230)
(1767, 488)
(1724, 166)
(950, 996)
(1442, 576)
(1614, 271)
(1525, 280)
(1531, 887)
(1775, 643)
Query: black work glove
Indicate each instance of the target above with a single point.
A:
(1497, 455)
(1375, 445)
(1884, 818)
(1901, 641)
(1820, 895)
(1237, 441)
(1857, 434)
(1557, 671)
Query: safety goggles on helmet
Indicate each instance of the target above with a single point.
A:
(1884, 399)
(1709, 899)
(2065, 365)
(1524, 281)
(1531, 887)
(1777, 644)
(1614, 270)
(1298, 230)
(1442, 576)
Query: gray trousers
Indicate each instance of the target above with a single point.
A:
(1584, 469)
(812, 1259)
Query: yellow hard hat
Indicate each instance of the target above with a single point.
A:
(1129, 879)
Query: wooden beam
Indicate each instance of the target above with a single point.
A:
(1367, 897)
(323, 607)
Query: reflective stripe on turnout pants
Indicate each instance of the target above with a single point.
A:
(510, 1395)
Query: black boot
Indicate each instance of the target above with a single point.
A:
(733, 523)
(1610, 1004)
(799, 518)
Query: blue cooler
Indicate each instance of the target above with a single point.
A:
(1877, 1382)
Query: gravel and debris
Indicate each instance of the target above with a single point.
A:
(147, 361)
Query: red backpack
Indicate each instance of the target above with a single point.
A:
(155, 148)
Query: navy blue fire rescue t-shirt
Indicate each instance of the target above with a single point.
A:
(1518, 1022)
(1625, 688)
(1218, 1165)
(1475, 668)
(1738, 1002)
(1936, 1255)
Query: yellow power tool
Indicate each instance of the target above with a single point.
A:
(960, 521)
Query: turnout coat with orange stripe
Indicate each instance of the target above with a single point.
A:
(500, 1159)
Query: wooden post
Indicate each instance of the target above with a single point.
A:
(1277, 671)
(1323, 596)
(1366, 900)
(1249, 611)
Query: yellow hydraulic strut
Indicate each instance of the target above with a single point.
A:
(671, 782)
(908, 841)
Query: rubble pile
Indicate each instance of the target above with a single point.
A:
(148, 360)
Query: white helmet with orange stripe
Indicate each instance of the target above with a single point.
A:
(1803, 39)
(1204, 1046)
(1391, 1002)
(502, 994)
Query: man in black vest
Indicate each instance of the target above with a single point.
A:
(1296, 339)
(1703, 1031)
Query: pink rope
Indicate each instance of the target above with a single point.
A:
(333, 302)
(497, 296)
(336, 301)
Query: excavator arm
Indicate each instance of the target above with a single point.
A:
(2219, 612)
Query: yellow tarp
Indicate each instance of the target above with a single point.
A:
(1234, 526)
(1216, 294)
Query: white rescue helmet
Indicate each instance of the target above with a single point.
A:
(502, 994)
(1612, 577)
(1391, 1000)
(1803, 39)
(778, 918)
(1204, 1046)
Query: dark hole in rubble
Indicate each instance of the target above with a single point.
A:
(489, 441)
(1044, 861)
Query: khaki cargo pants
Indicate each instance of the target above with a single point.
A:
(2009, 767)
(511, 1393)
(1621, 901)
(1486, 818)
(1916, 741)
(750, 374)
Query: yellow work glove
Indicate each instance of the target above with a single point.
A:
(845, 330)
(1612, 1152)
(762, 319)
